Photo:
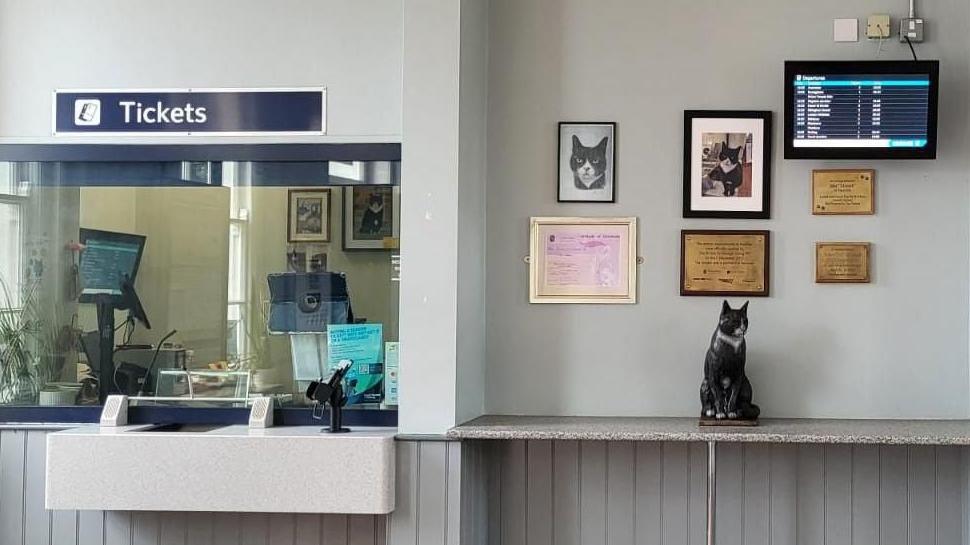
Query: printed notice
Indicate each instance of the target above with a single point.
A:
(842, 192)
(583, 259)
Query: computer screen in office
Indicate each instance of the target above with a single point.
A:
(861, 110)
(107, 259)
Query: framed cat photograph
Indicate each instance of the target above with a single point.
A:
(727, 164)
(372, 217)
(587, 164)
(308, 215)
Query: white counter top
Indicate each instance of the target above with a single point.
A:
(770, 430)
(285, 432)
(230, 468)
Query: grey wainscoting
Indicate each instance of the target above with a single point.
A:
(24, 521)
(442, 493)
(622, 493)
(563, 493)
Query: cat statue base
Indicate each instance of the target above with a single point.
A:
(726, 391)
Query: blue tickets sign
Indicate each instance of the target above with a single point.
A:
(228, 112)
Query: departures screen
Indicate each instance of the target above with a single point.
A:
(860, 111)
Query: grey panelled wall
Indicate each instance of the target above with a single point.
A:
(431, 505)
(592, 493)
(24, 521)
(563, 493)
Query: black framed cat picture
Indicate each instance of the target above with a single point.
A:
(727, 164)
(587, 165)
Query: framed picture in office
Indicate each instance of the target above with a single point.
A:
(727, 164)
(308, 215)
(372, 217)
(587, 162)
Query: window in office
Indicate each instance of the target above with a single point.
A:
(238, 344)
(10, 253)
(216, 240)
(11, 238)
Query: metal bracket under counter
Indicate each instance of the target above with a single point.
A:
(221, 468)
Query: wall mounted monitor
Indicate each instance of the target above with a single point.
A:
(861, 109)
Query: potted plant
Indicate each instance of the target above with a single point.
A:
(18, 379)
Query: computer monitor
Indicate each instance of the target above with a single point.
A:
(108, 261)
(861, 109)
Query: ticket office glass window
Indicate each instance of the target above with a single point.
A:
(218, 281)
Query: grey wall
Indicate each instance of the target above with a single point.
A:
(895, 348)
(472, 115)
(24, 521)
(353, 48)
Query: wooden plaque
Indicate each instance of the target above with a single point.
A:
(725, 423)
(843, 192)
(724, 263)
(842, 262)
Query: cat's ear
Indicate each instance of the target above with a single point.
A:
(602, 143)
(744, 308)
(725, 308)
(577, 145)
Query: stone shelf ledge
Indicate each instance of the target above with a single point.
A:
(770, 430)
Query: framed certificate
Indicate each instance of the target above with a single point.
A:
(724, 263)
(583, 260)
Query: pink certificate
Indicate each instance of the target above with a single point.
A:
(583, 260)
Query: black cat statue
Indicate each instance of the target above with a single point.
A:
(726, 391)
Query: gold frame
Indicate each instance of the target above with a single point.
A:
(866, 252)
(536, 259)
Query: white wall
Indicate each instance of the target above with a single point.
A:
(442, 232)
(352, 47)
(895, 348)
(429, 251)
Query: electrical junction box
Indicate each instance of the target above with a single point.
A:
(911, 28)
(878, 27)
(846, 30)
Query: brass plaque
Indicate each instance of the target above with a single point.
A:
(724, 263)
(842, 192)
(842, 262)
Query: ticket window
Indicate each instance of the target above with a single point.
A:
(213, 234)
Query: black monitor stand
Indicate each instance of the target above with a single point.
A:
(106, 341)
(107, 305)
